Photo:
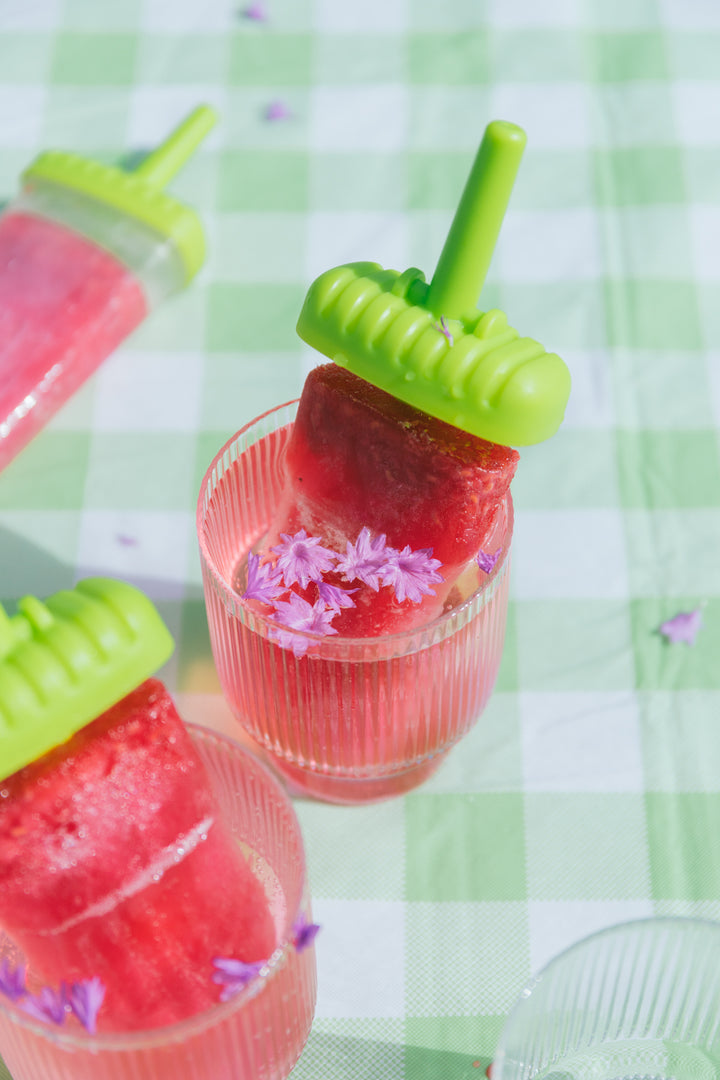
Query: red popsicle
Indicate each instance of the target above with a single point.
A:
(65, 304)
(360, 458)
(114, 862)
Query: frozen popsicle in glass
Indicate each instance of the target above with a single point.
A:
(115, 862)
(409, 432)
(356, 546)
(86, 252)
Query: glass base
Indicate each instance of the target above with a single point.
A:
(348, 790)
(636, 1059)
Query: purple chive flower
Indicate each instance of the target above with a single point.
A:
(12, 980)
(486, 561)
(365, 559)
(683, 627)
(302, 558)
(443, 328)
(335, 597)
(234, 975)
(298, 614)
(411, 573)
(49, 1004)
(256, 12)
(304, 933)
(277, 110)
(85, 998)
(264, 581)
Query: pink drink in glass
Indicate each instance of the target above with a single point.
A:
(350, 719)
(257, 1034)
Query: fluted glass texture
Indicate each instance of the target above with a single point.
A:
(257, 1035)
(639, 1001)
(353, 718)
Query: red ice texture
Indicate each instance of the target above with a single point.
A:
(115, 862)
(65, 304)
(359, 457)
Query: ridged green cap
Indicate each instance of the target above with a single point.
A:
(384, 326)
(139, 194)
(65, 661)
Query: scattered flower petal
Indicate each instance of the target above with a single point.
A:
(365, 559)
(277, 110)
(411, 573)
(256, 12)
(85, 998)
(486, 561)
(234, 975)
(302, 558)
(264, 581)
(683, 627)
(443, 328)
(12, 980)
(335, 597)
(49, 1004)
(304, 933)
(126, 541)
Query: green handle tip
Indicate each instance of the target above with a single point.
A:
(160, 166)
(465, 258)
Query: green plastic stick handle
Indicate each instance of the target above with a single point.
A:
(465, 258)
(161, 165)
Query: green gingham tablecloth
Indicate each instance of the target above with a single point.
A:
(589, 792)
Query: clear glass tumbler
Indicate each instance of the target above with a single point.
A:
(639, 1001)
(256, 1035)
(351, 719)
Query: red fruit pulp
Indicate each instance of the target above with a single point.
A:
(359, 457)
(65, 304)
(114, 862)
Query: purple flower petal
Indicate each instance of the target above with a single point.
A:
(264, 581)
(486, 561)
(444, 329)
(256, 12)
(48, 1005)
(12, 980)
(683, 627)
(85, 998)
(277, 110)
(302, 558)
(234, 975)
(365, 559)
(335, 597)
(299, 614)
(304, 933)
(411, 573)
(126, 541)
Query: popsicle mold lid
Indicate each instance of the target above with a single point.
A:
(138, 194)
(66, 660)
(427, 343)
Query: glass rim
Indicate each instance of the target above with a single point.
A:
(181, 1030)
(332, 647)
(615, 930)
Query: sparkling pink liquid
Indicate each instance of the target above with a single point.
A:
(352, 719)
(65, 304)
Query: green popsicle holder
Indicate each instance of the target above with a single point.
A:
(394, 329)
(65, 661)
(139, 194)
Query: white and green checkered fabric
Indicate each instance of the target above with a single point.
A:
(589, 792)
